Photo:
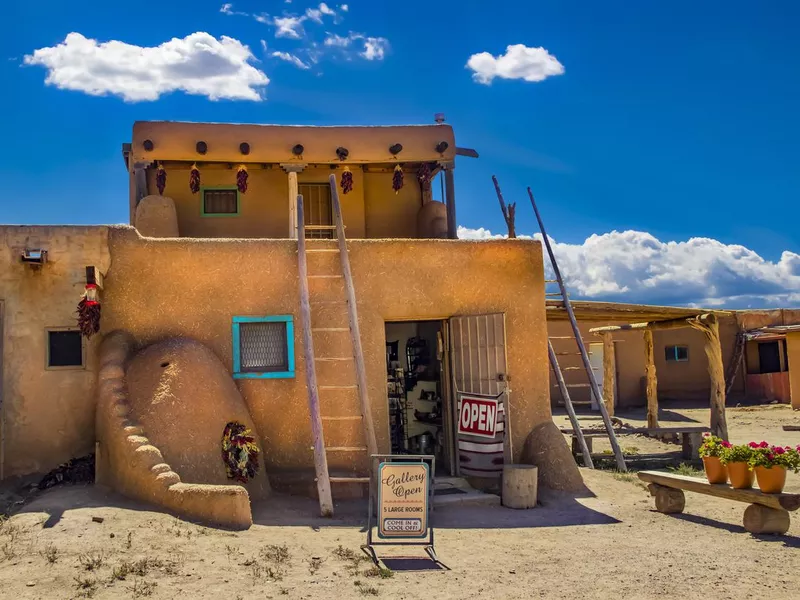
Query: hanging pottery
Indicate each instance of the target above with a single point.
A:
(194, 179)
(397, 179)
(347, 181)
(241, 179)
(161, 179)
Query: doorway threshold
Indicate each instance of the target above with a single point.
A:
(448, 491)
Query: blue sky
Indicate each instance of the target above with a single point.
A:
(675, 120)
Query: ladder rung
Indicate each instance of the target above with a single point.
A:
(331, 359)
(356, 418)
(330, 329)
(349, 479)
(580, 385)
(568, 353)
(324, 276)
(563, 337)
(553, 294)
(551, 280)
(572, 369)
(346, 448)
(322, 250)
(336, 387)
(328, 302)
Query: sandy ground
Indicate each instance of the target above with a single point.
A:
(609, 543)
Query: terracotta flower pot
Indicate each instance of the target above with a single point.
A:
(716, 472)
(741, 475)
(771, 479)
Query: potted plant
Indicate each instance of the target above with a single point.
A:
(770, 464)
(710, 451)
(739, 472)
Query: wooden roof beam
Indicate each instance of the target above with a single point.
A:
(656, 325)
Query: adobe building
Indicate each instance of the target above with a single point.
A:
(201, 333)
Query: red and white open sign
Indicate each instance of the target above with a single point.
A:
(478, 416)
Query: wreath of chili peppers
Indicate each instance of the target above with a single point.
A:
(239, 452)
(424, 175)
(194, 179)
(397, 179)
(347, 181)
(161, 179)
(89, 312)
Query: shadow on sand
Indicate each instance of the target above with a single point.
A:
(789, 541)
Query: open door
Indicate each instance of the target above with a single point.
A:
(478, 361)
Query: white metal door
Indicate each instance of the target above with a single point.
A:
(596, 360)
(478, 358)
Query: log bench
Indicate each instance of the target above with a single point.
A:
(691, 437)
(767, 513)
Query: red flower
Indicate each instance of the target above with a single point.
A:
(753, 445)
(770, 456)
(706, 434)
(779, 450)
(763, 445)
(725, 444)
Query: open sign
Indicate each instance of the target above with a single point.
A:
(478, 416)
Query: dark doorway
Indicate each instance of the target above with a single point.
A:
(769, 357)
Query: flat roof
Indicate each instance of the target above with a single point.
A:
(619, 311)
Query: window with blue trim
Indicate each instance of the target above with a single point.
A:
(263, 347)
(676, 353)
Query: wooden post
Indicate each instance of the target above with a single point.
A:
(573, 418)
(652, 382)
(450, 194)
(609, 373)
(761, 519)
(709, 325)
(320, 456)
(292, 170)
(509, 212)
(355, 331)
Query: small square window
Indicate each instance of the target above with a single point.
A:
(220, 201)
(263, 347)
(64, 349)
(676, 353)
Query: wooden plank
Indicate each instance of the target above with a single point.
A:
(791, 427)
(645, 430)
(450, 201)
(620, 459)
(652, 382)
(721, 490)
(609, 373)
(320, 458)
(573, 418)
(649, 325)
(355, 331)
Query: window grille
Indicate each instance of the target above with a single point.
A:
(317, 210)
(221, 202)
(263, 347)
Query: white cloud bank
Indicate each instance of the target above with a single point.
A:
(634, 266)
(519, 62)
(198, 64)
(372, 48)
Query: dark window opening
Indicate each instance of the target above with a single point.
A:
(317, 211)
(221, 202)
(676, 353)
(769, 357)
(64, 349)
(263, 347)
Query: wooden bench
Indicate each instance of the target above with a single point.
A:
(691, 437)
(767, 513)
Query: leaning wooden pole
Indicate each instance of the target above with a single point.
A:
(320, 457)
(573, 418)
(509, 211)
(709, 325)
(355, 331)
(612, 437)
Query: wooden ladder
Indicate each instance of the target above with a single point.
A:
(336, 375)
(736, 360)
(587, 366)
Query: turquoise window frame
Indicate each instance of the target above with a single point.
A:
(237, 359)
(229, 188)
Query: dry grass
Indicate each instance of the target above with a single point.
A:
(50, 554)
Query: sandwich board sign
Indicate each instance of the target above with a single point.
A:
(402, 486)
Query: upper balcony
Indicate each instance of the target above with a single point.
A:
(280, 163)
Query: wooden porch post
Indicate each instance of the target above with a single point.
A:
(450, 195)
(609, 373)
(709, 325)
(292, 170)
(652, 383)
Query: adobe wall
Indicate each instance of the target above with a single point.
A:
(47, 415)
(371, 209)
(193, 288)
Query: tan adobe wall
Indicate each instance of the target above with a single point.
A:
(371, 209)
(47, 415)
(793, 352)
(676, 380)
(193, 288)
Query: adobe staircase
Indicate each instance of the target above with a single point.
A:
(341, 420)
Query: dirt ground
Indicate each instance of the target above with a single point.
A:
(608, 543)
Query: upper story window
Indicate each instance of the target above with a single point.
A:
(64, 349)
(220, 201)
(317, 210)
(676, 353)
(263, 347)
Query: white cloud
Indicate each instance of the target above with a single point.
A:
(290, 58)
(289, 26)
(344, 8)
(264, 45)
(634, 266)
(338, 41)
(375, 48)
(227, 9)
(198, 64)
(263, 18)
(315, 14)
(519, 62)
